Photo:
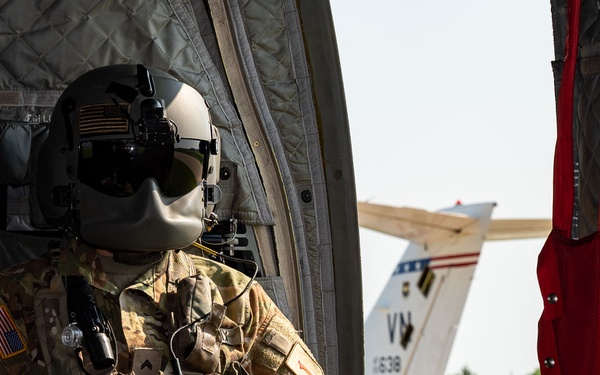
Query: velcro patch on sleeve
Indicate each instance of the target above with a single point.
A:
(301, 363)
(147, 361)
(11, 341)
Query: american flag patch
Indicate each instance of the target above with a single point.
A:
(103, 118)
(11, 342)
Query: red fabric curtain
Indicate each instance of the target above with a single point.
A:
(568, 332)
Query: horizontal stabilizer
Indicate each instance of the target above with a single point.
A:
(412, 224)
(421, 226)
(510, 229)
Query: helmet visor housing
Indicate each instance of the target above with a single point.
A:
(117, 167)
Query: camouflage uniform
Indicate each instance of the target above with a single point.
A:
(250, 333)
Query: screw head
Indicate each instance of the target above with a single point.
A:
(549, 362)
(306, 196)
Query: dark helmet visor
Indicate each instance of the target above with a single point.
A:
(117, 167)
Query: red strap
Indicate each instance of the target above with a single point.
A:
(549, 279)
(563, 157)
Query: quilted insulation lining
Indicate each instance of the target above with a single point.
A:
(586, 124)
(45, 45)
(586, 118)
(273, 55)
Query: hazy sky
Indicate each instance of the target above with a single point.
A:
(455, 101)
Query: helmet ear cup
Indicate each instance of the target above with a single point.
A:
(56, 172)
(213, 171)
(110, 106)
(214, 159)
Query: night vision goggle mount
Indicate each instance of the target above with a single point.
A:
(153, 127)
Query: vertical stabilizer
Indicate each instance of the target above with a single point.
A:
(413, 325)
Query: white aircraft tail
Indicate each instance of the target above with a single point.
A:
(413, 324)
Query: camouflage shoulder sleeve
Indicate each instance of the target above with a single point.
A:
(17, 316)
(272, 344)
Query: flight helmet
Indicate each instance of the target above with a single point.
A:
(131, 161)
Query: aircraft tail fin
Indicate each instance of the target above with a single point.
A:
(412, 327)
